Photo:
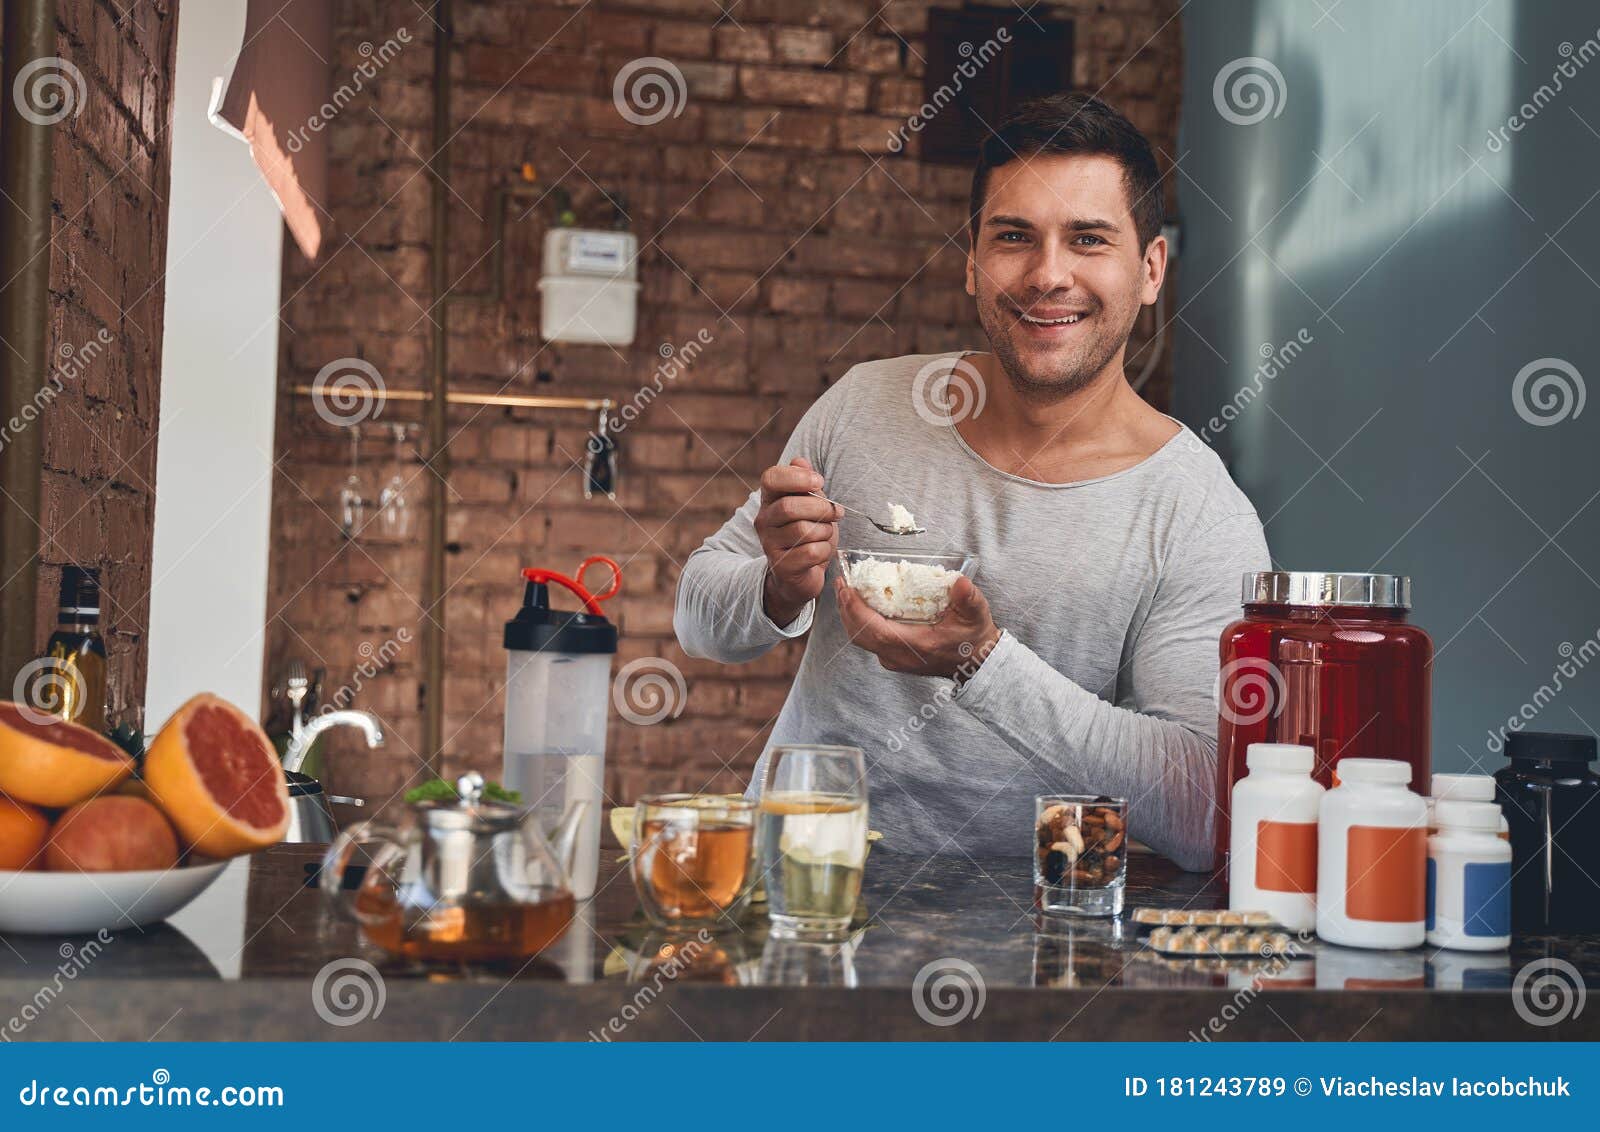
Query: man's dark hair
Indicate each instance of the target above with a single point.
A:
(1075, 124)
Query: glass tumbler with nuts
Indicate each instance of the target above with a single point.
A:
(1080, 857)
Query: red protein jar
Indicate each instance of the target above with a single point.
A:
(1329, 661)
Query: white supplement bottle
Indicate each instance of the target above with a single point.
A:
(1372, 857)
(1463, 788)
(1272, 859)
(1469, 878)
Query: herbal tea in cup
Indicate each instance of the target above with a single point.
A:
(691, 857)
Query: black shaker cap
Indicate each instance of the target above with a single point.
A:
(538, 628)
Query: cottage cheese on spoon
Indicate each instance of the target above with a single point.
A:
(901, 520)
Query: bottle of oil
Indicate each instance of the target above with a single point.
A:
(77, 649)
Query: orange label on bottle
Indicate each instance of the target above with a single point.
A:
(1386, 874)
(1286, 856)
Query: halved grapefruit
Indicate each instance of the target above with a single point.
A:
(51, 762)
(216, 775)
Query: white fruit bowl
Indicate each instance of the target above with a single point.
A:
(43, 903)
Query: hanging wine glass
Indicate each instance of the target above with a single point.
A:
(352, 506)
(394, 509)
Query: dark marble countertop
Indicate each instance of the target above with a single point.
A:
(949, 948)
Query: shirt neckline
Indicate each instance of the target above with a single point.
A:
(1159, 454)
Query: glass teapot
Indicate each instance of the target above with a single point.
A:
(464, 880)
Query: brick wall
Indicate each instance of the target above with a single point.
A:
(109, 240)
(771, 215)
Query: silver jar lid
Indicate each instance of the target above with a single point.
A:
(1298, 587)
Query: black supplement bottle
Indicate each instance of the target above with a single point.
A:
(1546, 795)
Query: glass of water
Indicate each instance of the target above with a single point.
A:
(813, 838)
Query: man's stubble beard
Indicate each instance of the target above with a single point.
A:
(1079, 373)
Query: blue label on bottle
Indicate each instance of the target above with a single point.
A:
(1433, 888)
(1486, 899)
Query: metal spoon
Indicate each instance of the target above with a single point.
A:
(884, 527)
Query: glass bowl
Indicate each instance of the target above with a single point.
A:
(905, 587)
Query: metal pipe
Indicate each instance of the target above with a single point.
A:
(25, 180)
(506, 400)
(438, 385)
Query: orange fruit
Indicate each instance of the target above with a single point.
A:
(216, 775)
(111, 834)
(23, 831)
(50, 762)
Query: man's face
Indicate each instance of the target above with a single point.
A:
(1057, 270)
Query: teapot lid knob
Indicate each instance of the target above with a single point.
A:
(469, 788)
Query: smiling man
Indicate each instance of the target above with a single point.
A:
(1109, 540)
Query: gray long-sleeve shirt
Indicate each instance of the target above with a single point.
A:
(1111, 594)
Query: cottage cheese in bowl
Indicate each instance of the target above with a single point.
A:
(904, 587)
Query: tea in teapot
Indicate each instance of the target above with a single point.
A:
(464, 880)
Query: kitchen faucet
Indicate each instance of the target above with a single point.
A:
(300, 745)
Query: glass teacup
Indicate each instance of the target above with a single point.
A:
(691, 858)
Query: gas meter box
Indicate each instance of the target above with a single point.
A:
(590, 289)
